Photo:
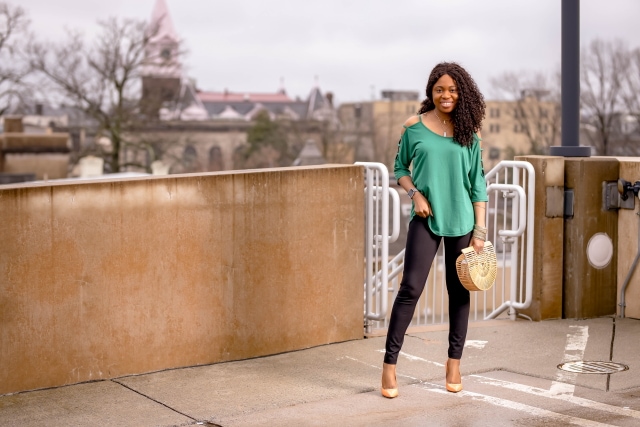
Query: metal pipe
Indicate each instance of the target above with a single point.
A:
(570, 83)
(570, 73)
(630, 273)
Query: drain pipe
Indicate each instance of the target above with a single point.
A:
(630, 273)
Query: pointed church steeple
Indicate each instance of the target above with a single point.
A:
(162, 55)
(161, 70)
(162, 23)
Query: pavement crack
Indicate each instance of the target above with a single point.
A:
(159, 403)
(613, 338)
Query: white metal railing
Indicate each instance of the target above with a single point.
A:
(377, 238)
(510, 223)
(521, 266)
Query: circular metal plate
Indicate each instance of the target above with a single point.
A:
(584, 367)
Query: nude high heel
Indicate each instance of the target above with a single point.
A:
(390, 393)
(453, 388)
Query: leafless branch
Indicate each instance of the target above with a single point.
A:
(13, 70)
(604, 66)
(101, 79)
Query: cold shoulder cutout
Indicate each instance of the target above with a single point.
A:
(410, 122)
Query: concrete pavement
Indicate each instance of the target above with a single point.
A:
(509, 370)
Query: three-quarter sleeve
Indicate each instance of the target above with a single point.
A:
(476, 174)
(403, 157)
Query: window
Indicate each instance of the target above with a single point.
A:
(517, 113)
(494, 153)
(165, 53)
(494, 112)
(543, 127)
(544, 113)
(494, 128)
(518, 128)
(190, 159)
(215, 159)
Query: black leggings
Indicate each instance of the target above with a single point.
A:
(422, 246)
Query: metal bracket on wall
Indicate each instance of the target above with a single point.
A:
(613, 200)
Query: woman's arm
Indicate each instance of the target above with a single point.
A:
(480, 227)
(421, 205)
(404, 158)
(479, 209)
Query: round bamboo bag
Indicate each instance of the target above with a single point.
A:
(477, 272)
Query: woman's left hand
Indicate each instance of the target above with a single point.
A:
(477, 244)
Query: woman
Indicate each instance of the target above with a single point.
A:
(449, 197)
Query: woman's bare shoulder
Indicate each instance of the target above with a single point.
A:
(411, 121)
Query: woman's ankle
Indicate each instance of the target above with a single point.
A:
(389, 376)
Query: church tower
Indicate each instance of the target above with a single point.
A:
(162, 69)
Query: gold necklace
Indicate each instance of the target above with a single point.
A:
(441, 122)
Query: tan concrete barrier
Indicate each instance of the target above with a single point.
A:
(589, 291)
(548, 237)
(628, 242)
(105, 279)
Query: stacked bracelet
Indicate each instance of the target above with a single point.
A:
(479, 233)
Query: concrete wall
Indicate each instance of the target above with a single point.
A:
(105, 279)
(42, 165)
(548, 237)
(45, 155)
(628, 244)
(589, 291)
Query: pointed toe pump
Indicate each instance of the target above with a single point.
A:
(453, 388)
(389, 393)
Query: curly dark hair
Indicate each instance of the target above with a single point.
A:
(469, 112)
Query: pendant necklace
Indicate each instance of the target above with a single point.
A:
(441, 122)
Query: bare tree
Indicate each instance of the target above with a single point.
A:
(604, 67)
(536, 106)
(14, 91)
(631, 83)
(102, 80)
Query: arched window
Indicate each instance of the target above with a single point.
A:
(190, 159)
(215, 159)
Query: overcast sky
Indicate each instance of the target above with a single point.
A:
(356, 48)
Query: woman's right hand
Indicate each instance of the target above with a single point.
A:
(421, 206)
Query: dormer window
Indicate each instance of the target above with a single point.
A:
(166, 53)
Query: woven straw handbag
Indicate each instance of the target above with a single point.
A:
(477, 271)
